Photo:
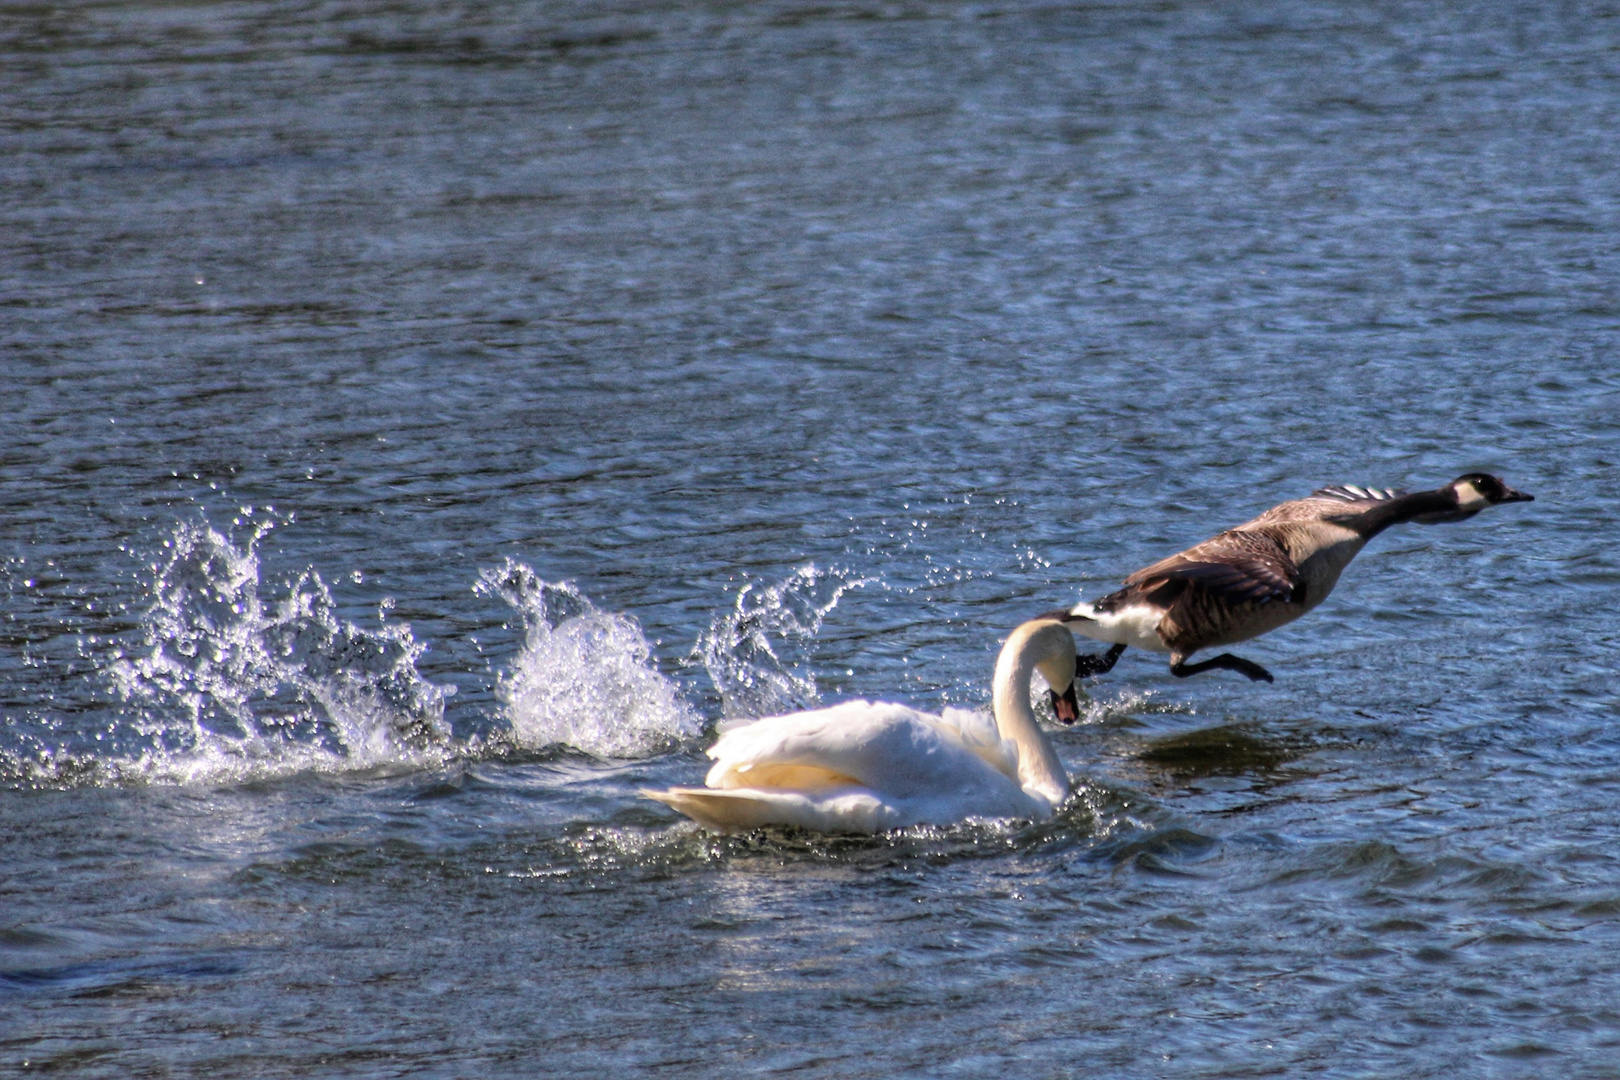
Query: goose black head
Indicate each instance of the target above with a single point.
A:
(1473, 492)
(1483, 487)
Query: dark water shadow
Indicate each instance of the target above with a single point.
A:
(1232, 767)
(1240, 749)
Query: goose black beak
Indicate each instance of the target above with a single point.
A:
(1517, 496)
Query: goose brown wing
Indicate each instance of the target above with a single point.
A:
(1235, 567)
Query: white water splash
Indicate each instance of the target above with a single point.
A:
(758, 654)
(230, 686)
(584, 677)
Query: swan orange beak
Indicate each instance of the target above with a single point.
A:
(1065, 706)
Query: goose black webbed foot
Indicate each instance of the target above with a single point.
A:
(1226, 660)
(1097, 665)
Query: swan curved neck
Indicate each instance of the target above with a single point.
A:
(1039, 769)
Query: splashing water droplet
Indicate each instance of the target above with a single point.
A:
(228, 685)
(757, 654)
(584, 677)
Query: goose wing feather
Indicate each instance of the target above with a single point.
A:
(1357, 493)
(1238, 566)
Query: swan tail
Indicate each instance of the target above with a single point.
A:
(740, 809)
(722, 811)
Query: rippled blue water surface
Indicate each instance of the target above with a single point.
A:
(425, 421)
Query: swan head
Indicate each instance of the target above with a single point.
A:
(1060, 669)
(1474, 492)
(1051, 644)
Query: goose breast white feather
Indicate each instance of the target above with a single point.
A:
(1136, 625)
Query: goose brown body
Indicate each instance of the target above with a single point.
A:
(1264, 573)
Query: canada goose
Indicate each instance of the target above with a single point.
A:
(1262, 574)
(865, 767)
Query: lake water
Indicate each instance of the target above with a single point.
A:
(425, 421)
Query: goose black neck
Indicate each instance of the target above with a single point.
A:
(1437, 505)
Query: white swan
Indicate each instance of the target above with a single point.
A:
(865, 767)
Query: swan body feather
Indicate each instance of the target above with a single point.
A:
(863, 766)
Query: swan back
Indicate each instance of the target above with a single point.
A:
(886, 747)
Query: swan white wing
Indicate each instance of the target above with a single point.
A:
(977, 730)
(735, 810)
(898, 754)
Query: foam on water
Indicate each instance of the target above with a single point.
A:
(603, 850)
(227, 684)
(584, 677)
(758, 654)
